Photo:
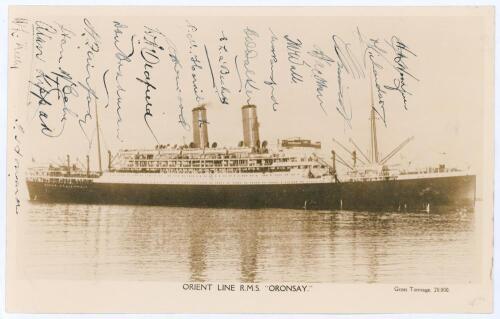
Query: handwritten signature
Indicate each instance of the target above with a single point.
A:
(122, 57)
(402, 53)
(66, 36)
(250, 54)
(16, 31)
(195, 62)
(272, 61)
(172, 53)
(223, 70)
(346, 63)
(294, 48)
(44, 32)
(378, 56)
(150, 54)
(18, 155)
(52, 90)
(92, 41)
(321, 62)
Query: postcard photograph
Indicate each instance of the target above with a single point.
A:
(249, 159)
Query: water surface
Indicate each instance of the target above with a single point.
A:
(96, 242)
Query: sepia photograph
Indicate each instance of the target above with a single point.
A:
(250, 159)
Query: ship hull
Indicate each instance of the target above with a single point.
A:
(410, 193)
(367, 195)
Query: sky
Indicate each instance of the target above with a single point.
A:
(317, 61)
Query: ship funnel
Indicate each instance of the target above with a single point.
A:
(250, 126)
(200, 127)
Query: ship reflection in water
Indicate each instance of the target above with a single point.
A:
(92, 242)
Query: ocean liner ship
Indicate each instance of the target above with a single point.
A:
(251, 175)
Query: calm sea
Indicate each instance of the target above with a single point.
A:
(92, 242)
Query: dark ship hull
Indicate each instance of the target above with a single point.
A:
(363, 195)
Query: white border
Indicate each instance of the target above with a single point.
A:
(3, 145)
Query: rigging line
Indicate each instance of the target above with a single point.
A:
(396, 150)
(238, 71)
(80, 162)
(343, 163)
(359, 159)
(104, 139)
(322, 161)
(360, 151)
(91, 141)
(342, 146)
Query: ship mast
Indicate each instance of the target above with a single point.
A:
(98, 138)
(373, 157)
(374, 154)
(373, 131)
